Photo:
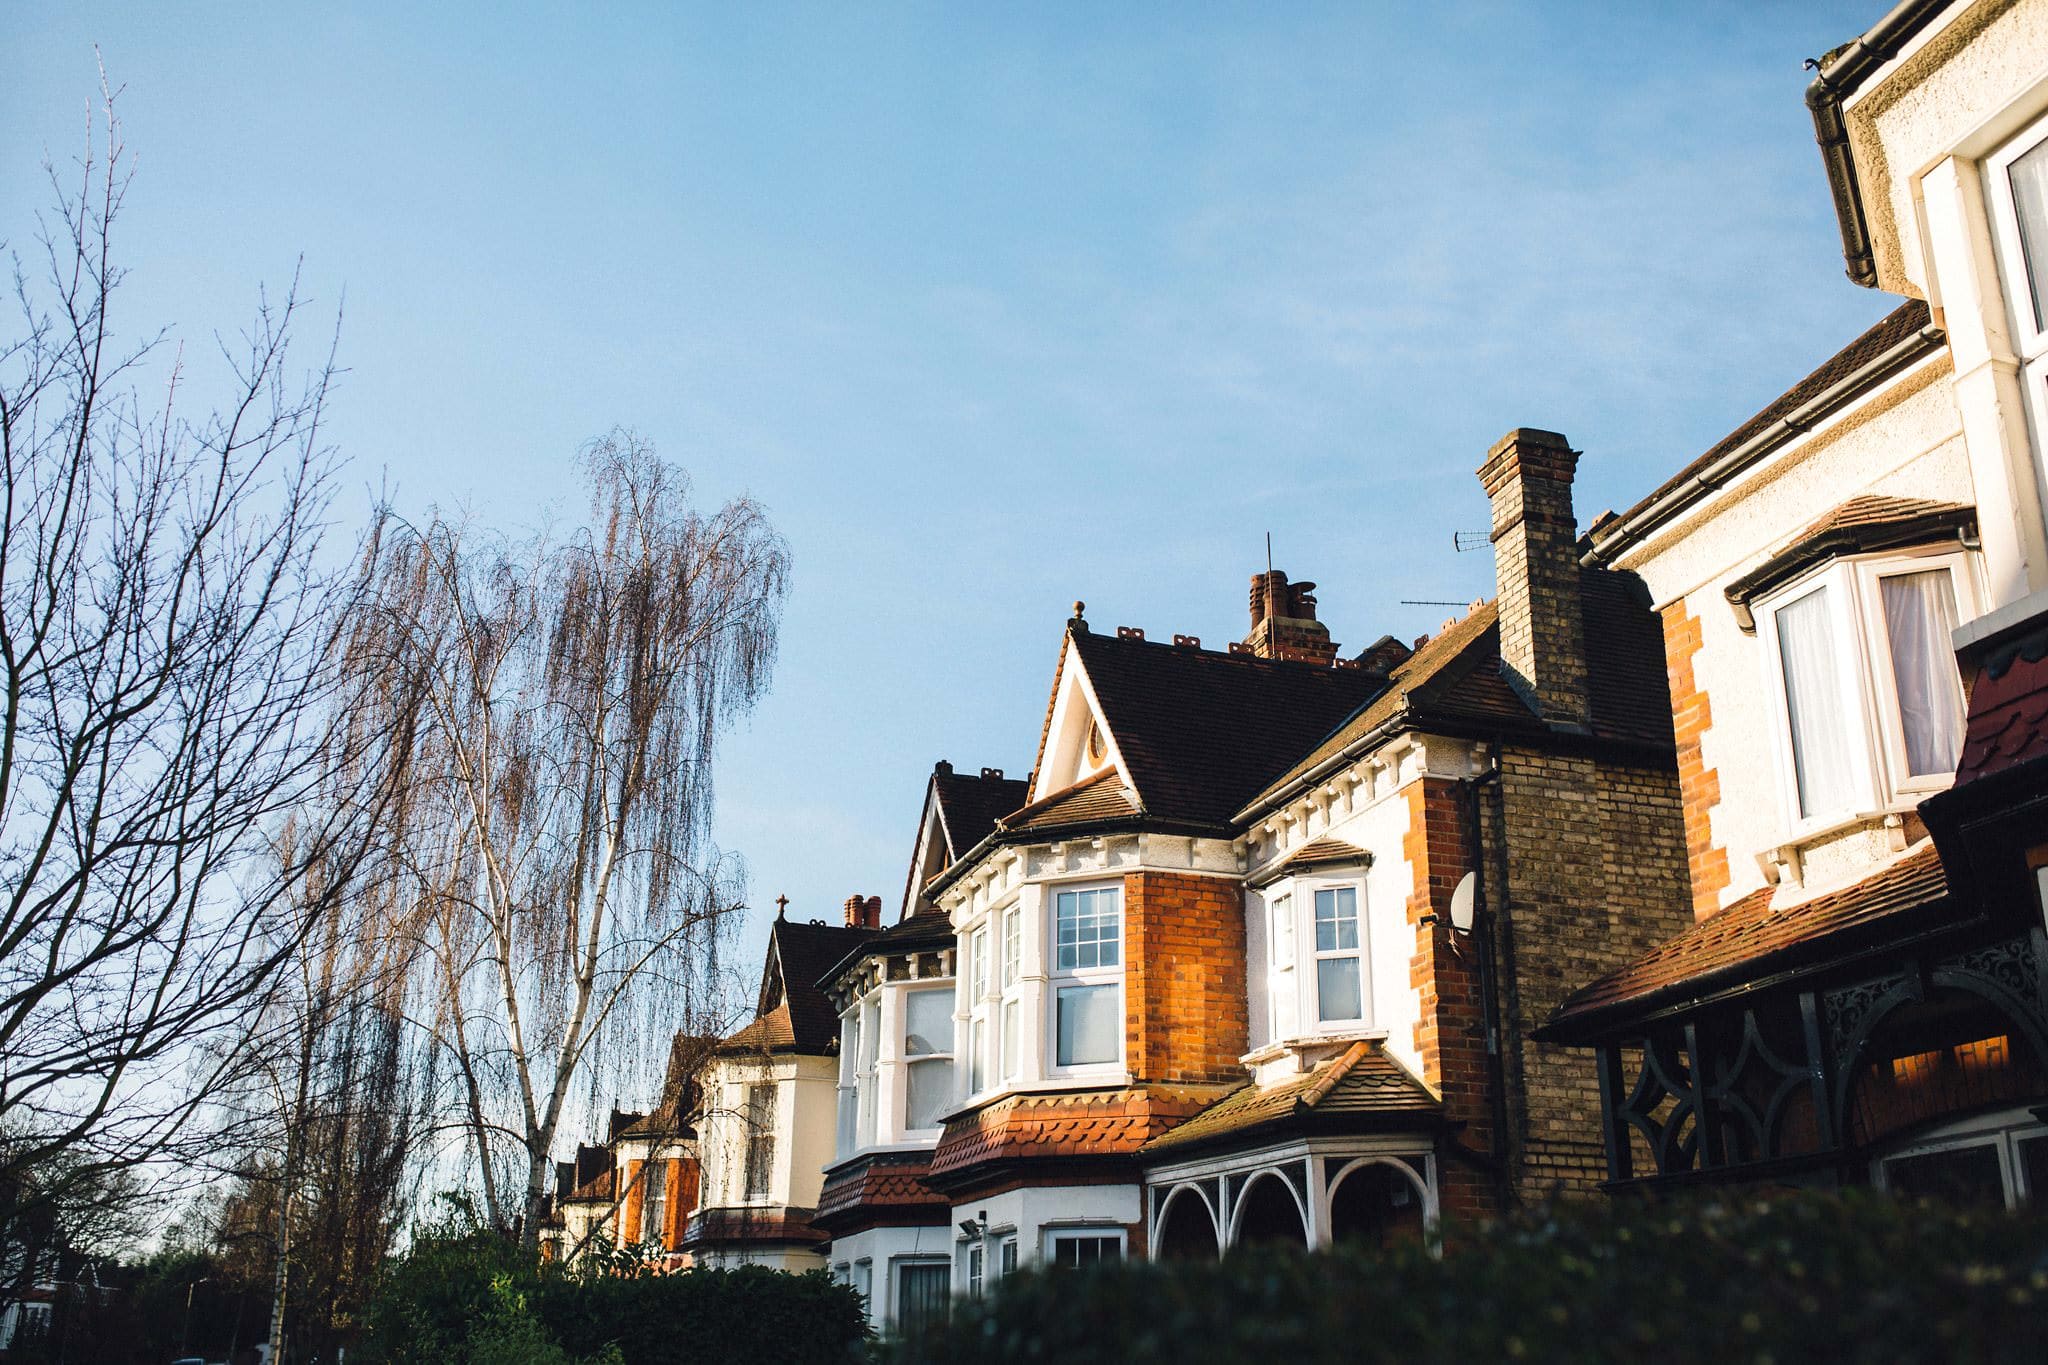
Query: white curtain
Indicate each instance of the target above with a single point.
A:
(1919, 614)
(2030, 197)
(1813, 703)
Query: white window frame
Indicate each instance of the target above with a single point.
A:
(930, 1059)
(1879, 782)
(2029, 338)
(1283, 973)
(1051, 1237)
(2004, 1130)
(978, 1073)
(846, 1133)
(1010, 1010)
(1312, 981)
(1059, 978)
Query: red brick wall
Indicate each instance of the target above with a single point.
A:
(1692, 715)
(1451, 1030)
(1184, 977)
(629, 1215)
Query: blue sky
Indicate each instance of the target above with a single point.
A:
(994, 307)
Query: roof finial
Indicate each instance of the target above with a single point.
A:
(781, 905)
(1077, 621)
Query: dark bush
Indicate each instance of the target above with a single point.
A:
(466, 1296)
(1784, 1279)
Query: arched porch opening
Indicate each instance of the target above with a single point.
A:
(1187, 1228)
(1378, 1204)
(1269, 1214)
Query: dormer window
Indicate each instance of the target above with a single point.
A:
(1326, 985)
(1339, 994)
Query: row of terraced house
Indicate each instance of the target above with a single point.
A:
(1711, 849)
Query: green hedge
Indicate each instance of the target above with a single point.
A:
(469, 1297)
(1784, 1279)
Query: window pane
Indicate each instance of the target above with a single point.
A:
(1337, 988)
(927, 1023)
(1011, 1041)
(1282, 918)
(980, 964)
(977, 1059)
(1086, 928)
(1919, 614)
(2033, 1157)
(1090, 1025)
(1813, 704)
(927, 1092)
(922, 1292)
(2029, 175)
(1006, 1259)
(1336, 919)
(1969, 1176)
(1013, 947)
(849, 1048)
(1080, 1251)
(849, 1109)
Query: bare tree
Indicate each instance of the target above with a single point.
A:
(563, 700)
(168, 660)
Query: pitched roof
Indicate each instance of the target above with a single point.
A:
(893, 1182)
(770, 1032)
(805, 953)
(1201, 731)
(1454, 683)
(918, 934)
(2008, 722)
(970, 806)
(1791, 412)
(1858, 526)
(1085, 1124)
(687, 1052)
(1317, 852)
(1363, 1083)
(1101, 797)
(1747, 939)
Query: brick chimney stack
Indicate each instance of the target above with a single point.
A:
(1528, 477)
(863, 912)
(1284, 624)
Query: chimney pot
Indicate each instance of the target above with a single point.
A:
(1284, 624)
(863, 912)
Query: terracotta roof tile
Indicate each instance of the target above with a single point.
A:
(2008, 721)
(1363, 1082)
(1067, 1124)
(773, 1224)
(1747, 938)
(1101, 797)
(769, 1032)
(879, 1183)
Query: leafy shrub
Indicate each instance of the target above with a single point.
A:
(1794, 1278)
(462, 1295)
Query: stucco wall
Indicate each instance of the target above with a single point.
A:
(1929, 103)
(1905, 442)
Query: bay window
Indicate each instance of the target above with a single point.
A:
(928, 1057)
(977, 978)
(1324, 985)
(1012, 1008)
(1088, 976)
(1869, 699)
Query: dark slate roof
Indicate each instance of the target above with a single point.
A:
(1898, 325)
(1755, 936)
(1202, 731)
(686, 1055)
(918, 934)
(1454, 681)
(1093, 799)
(970, 806)
(1363, 1083)
(804, 953)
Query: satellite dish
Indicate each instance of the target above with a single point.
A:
(1464, 902)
